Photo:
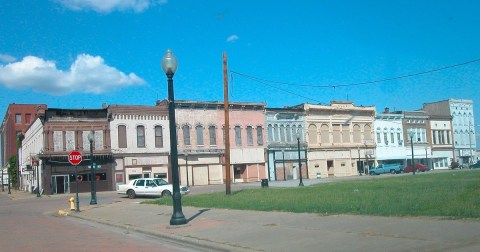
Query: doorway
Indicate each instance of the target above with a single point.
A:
(60, 184)
(331, 168)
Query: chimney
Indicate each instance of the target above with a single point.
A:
(104, 105)
(387, 110)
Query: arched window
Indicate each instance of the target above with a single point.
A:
(288, 132)
(186, 135)
(357, 134)
(249, 135)
(270, 133)
(199, 131)
(325, 134)
(367, 132)
(213, 135)
(259, 135)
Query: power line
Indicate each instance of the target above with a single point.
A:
(265, 81)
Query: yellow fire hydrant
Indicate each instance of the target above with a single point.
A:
(72, 203)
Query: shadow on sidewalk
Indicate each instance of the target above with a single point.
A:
(197, 214)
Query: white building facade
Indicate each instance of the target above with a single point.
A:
(140, 142)
(389, 138)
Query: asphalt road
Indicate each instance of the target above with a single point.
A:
(34, 225)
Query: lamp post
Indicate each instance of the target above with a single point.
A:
(3, 189)
(8, 173)
(93, 201)
(299, 161)
(38, 176)
(169, 66)
(186, 167)
(284, 172)
(411, 134)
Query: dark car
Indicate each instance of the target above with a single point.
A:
(418, 167)
(476, 165)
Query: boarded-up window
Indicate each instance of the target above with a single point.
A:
(336, 133)
(367, 131)
(213, 135)
(99, 140)
(357, 136)
(158, 137)
(122, 136)
(199, 130)
(140, 136)
(345, 133)
(70, 140)
(259, 135)
(249, 135)
(312, 134)
(57, 141)
(325, 132)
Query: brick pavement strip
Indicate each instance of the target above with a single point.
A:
(234, 230)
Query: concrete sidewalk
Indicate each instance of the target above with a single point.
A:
(233, 230)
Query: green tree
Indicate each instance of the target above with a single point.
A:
(13, 170)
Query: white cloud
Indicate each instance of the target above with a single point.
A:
(7, 58)
(107, 6)
(232, 38)
(88, 74)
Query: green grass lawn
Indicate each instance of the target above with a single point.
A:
(449, 194)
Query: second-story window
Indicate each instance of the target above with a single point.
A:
(259, 135)
(122, 136)
(158, 137)
(385, 138)
(186, 135)
(18, 118)
(250, 135)
(238, 136)
(28, 118)
(379, 139)
(199, 130)
(213, 135)
(140, 136)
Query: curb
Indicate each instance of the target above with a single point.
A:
(204, 244)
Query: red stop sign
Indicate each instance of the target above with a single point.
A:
(75, 157)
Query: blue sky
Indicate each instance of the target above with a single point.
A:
(81, 53)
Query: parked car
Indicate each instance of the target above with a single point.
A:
(454, 165)
(476, 165)
(418, 167)
(154, 187)
(386, 168)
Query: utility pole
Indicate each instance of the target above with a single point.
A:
(227, 125)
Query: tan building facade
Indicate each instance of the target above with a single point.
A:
(337, 136)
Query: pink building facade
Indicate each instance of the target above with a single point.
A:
(201, 142)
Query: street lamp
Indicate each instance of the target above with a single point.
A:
(186, 166)
(93, 201)
(8, 173)
(3, 189)
(411, 134)
(169, 66)
(36, 162)
(299, 161)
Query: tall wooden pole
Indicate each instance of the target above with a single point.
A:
(227, 126)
